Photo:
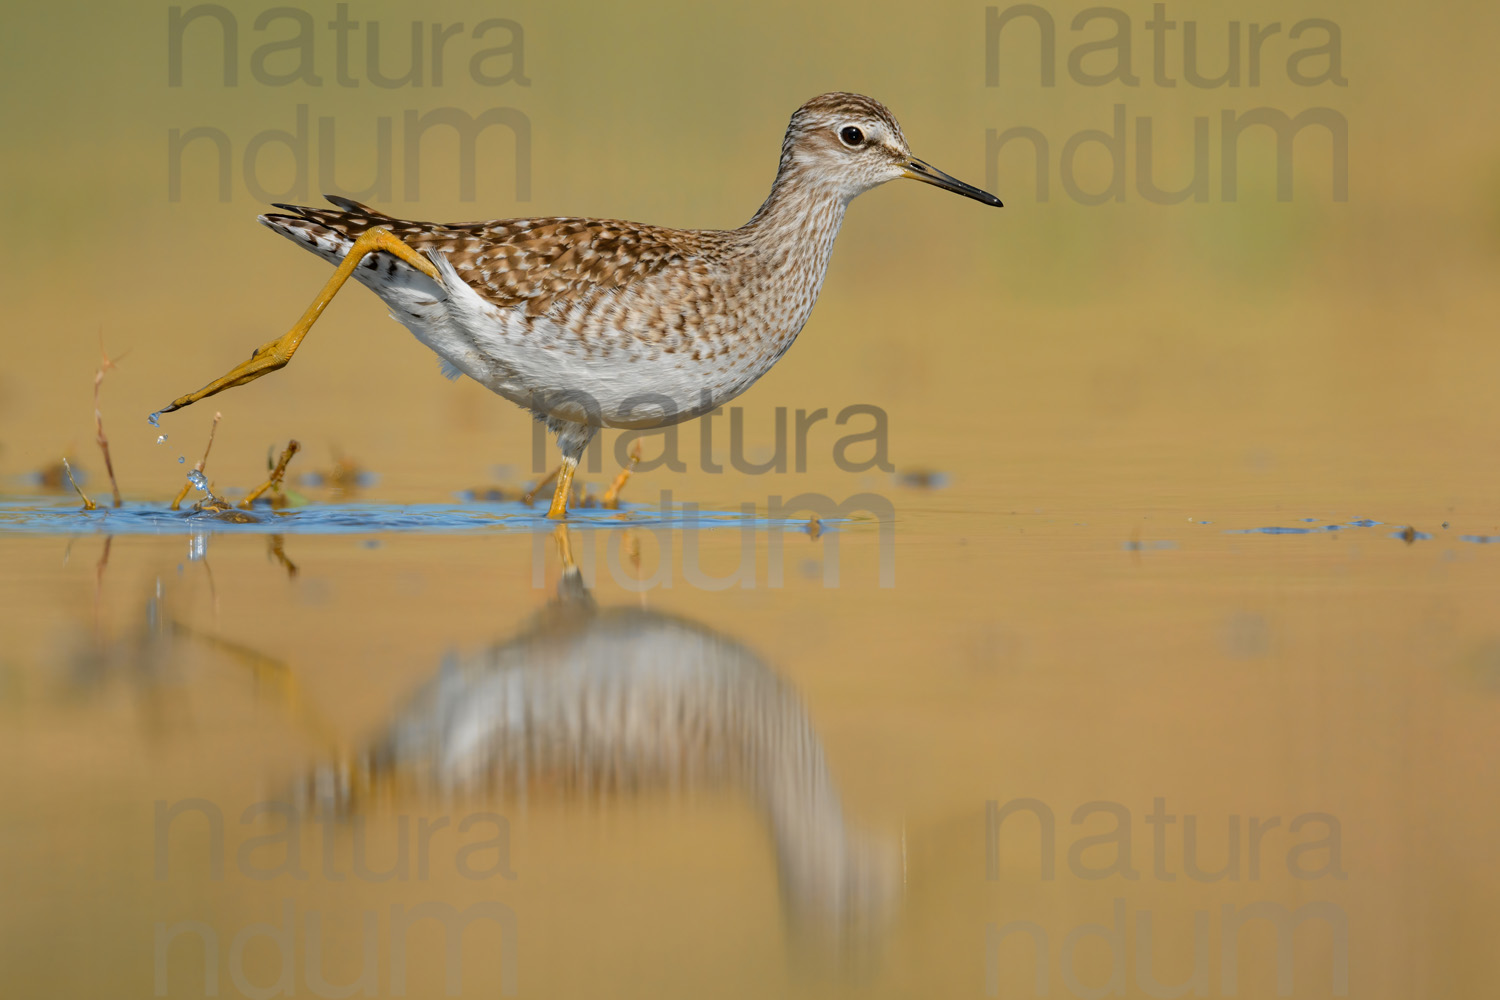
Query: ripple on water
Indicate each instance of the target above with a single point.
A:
(32, 517)
(1363, 522)
(1282, 531)
(1405, 534)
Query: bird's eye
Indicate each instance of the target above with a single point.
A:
(851, 136)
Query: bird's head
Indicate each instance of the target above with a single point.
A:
(854, 143)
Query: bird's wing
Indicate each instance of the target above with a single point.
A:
(531, 264)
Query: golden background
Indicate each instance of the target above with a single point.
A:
(1093, 381)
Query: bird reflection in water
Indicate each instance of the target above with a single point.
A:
(598, 701)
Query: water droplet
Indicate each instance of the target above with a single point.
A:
(161, 439)
(155, 419)
(198, 479)
(181, 459)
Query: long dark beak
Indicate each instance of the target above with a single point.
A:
(919, 170)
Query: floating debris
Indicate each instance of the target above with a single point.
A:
(492, 494)
(216, 507)
(1409, 535)
(345, 477)
(922, 479)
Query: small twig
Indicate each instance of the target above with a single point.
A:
(87, 503)
(109, 466)
(177, 503)
(275, 479)
(612, 495)
(529, 497)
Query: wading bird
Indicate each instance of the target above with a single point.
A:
(593, 323)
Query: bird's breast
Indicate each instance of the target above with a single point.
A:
(654, 352)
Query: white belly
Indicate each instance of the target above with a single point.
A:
(616, 380)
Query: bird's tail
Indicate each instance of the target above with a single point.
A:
(330, 233)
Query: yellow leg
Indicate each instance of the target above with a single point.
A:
(271, 356)
(559, 509)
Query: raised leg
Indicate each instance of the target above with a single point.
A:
(275, 354)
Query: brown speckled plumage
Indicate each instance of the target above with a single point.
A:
(591, 322)
(534, 264)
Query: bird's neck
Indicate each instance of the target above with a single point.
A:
(798, 222)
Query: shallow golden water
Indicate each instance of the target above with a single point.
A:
(1018, 656)
(785, 788)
